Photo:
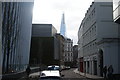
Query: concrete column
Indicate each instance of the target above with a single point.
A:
(92, 67)
(98, 65)
(84, 67)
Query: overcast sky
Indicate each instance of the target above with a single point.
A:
(50, 12)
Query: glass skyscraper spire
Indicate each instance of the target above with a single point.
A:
(63, 26)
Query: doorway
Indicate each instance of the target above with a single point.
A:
(101, 61)
(95, 67)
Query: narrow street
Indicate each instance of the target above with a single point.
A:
(71, 75)
(68, 75)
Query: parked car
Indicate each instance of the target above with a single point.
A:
(67, 67)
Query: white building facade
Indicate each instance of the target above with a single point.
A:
(98, 39)
(116, 18)
(68, 53)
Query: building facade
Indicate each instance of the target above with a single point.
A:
(43, 30)
(80, 48)
(98, 46)
(0, 41)
(116, 18)
(68, 55)
(44, 46)
(75, 55)
(16, 35)
(61, 42)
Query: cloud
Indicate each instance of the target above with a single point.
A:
(50, 11)
(73, 36)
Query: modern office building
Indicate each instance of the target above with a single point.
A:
(43, 30)
(16, 36)
(44, 46)
(63, 26)
(98, 39)
(68, 55)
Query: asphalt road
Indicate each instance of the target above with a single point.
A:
(68, 75)
(71, 75)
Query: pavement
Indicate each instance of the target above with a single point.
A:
(34, 75)
(87, 75)
(20, 75)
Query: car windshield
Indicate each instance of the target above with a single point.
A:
(53, 68)
(56, 68)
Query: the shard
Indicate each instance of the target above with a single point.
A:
(63, 26)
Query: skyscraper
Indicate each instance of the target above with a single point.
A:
(15, 36)
(63, 26)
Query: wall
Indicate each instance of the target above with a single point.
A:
(43, 35)
(54, 31)
(80, 41)
(42, 51)
(96, 25)
(56, 49)
(118, 56)
(17, 38)
(43, 30)
(106, 22)
(25, 32)
(111, 55)
(0, 40)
